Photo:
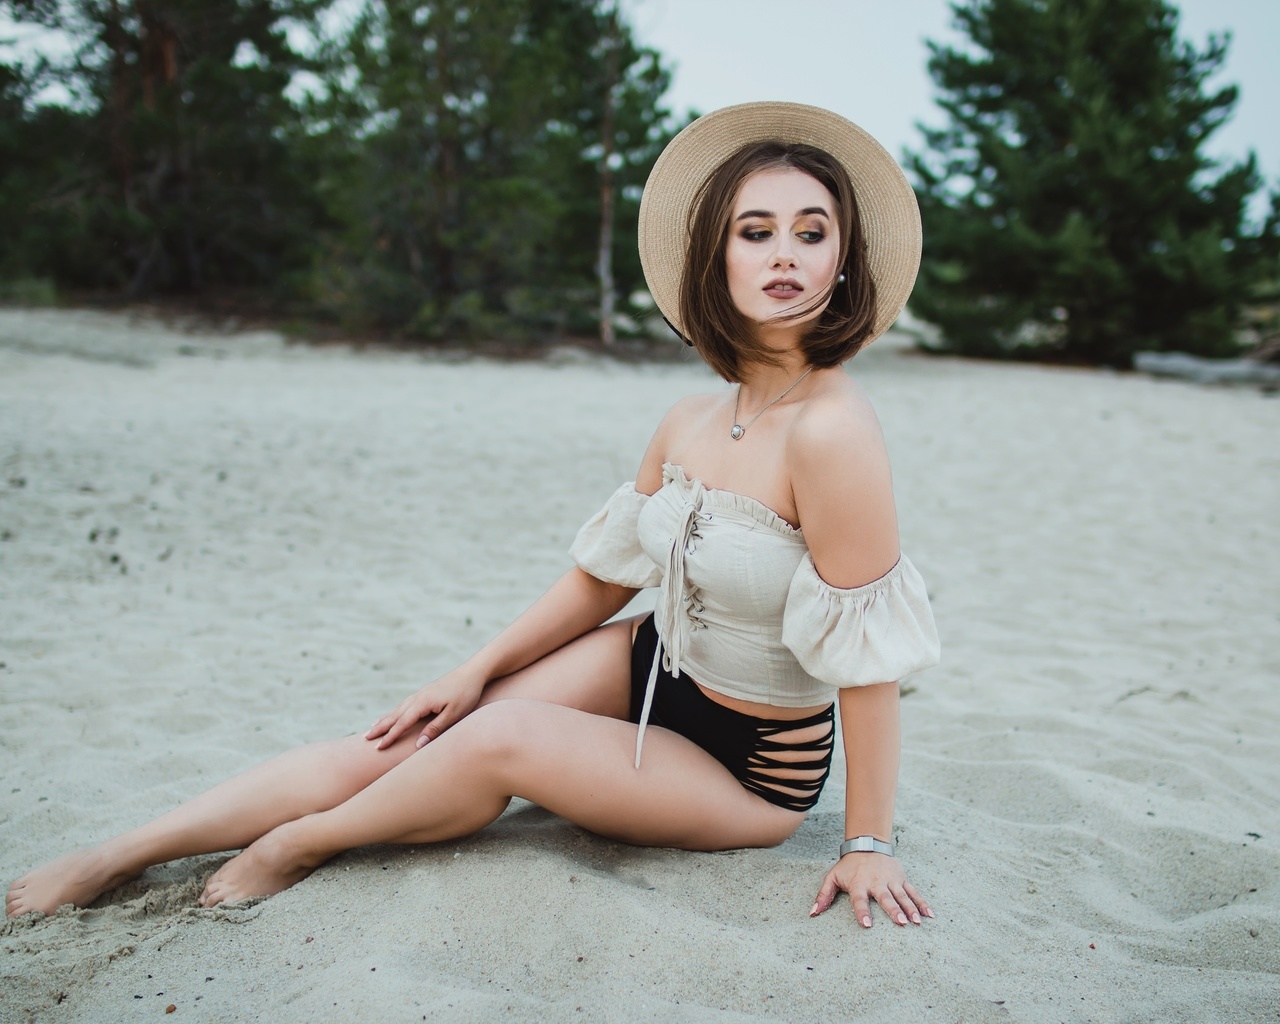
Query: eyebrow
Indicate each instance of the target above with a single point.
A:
(770, 215)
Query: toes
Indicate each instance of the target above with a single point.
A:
(17, 901)
(211, 896)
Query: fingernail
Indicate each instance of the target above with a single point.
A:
(902, 919)
(915, 918)
(814, 911)
(928, 913)
(866, 922)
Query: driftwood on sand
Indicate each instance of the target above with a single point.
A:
(1249, 372)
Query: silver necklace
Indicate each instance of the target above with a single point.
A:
(738, 429)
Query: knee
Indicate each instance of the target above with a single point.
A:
(496, 734)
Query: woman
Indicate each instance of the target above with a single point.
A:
(778, 239)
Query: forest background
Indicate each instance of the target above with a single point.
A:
(470, 170)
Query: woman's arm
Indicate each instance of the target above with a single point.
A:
(843, 491)
(872, 742)
(869, 728)
(576, 603)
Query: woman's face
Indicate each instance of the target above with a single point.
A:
(783, 247)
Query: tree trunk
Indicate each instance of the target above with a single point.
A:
(447, 129)
(118, 111)
(604, 260)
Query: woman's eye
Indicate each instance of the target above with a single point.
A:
(812, 237)
(756, 234)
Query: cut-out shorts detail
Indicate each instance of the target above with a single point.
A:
(785, 762)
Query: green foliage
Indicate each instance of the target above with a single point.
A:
(1069, 211)
(32, 155)
(442, 178)
(471, 203)
(171, 170)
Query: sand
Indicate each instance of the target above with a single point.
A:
(215, 546)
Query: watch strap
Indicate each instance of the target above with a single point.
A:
(866, 844)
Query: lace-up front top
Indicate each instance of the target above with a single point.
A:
(741, 607)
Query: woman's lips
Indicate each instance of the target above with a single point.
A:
(783, 288)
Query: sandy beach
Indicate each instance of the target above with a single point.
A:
(214, 546)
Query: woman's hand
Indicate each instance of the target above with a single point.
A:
(441, 703)
(872, 876)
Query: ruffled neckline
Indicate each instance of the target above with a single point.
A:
(752, 507)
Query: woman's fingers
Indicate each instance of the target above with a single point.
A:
(891, 902)
(868, 881)
(888, 903)
(392, 734)
(905, 901)
(826, 894)
(921, 903)
(438, 705)
(434, 728)
(388, 721)
(862, 910)
(438, 716)
(401, 720)
(430, 731)
(380, 726)
(411, 717)
(443, 719)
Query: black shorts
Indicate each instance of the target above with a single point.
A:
(785, 770)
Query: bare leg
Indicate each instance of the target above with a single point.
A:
(228, 817)
(578, 765)
(590, 674)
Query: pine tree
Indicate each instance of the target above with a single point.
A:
(174, 171)
(1070, 212)
(473, 204)
(454, 170)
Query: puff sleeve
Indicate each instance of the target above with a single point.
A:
(608, 545)
(876, 633)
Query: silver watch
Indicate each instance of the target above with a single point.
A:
(866, 844)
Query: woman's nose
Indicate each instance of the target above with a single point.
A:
(783, 254)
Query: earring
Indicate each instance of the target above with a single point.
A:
(840, 279)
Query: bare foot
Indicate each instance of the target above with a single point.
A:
(78, 878)
(270, 865)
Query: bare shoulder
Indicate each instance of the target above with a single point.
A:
(689, 410)
(836, 426)
(682, 417)
(842, 485)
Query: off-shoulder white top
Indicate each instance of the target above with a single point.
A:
(741, 607)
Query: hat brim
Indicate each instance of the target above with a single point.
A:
(886, 201)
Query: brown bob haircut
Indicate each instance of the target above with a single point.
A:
(712, 323)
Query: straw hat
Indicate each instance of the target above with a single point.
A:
(886, 201)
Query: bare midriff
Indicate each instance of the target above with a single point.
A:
(750, 707)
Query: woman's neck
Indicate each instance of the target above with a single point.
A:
(784, 342)
(763, 383)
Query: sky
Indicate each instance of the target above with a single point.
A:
(865, 59)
